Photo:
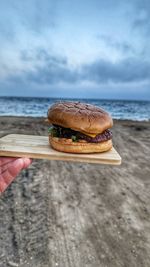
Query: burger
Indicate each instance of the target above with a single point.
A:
(79, 128)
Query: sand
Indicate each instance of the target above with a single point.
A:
(79, 215)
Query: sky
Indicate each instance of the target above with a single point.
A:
(73, 48)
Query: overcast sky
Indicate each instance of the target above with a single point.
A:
(74, 48)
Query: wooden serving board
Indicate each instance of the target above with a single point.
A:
(18, 145)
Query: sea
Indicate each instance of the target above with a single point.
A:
(38, 106)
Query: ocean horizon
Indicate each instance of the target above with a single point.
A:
(138, 110)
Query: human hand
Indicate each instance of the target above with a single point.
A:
(10, 168)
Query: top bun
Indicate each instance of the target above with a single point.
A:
(80, 117)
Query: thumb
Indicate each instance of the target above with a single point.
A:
(27, 162)
(12, 170)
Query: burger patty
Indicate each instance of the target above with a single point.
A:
(58, 131)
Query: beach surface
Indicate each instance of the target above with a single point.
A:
(69, 214)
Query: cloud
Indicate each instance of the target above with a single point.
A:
(127, 70)
(36, 16)
(51, 74)
(46, 69)
(123, 46)
(54, 70)
(41, 55)
(142, 16)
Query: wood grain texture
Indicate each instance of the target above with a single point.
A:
(18, 145)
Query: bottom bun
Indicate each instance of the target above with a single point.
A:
(67, 145)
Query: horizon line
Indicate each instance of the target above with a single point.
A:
(77, 98)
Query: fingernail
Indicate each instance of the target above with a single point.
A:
(27, 162)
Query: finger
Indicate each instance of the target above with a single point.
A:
(5, 166)
(12, 171)
(27, 162)
(5, 160)
(3, 185)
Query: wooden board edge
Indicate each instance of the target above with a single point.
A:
(66, 158)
